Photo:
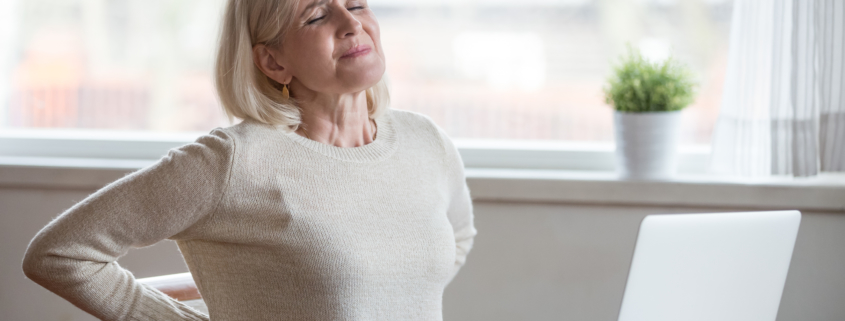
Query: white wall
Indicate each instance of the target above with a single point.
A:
(531, 261)
(570, 262)
(22, 213)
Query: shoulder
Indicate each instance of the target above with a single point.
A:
(246, 130)
(425, 130)
(420, 127)
(212, 152)
(411, 118)
(220, 145)
(245, 135)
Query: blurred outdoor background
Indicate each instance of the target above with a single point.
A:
(490, 69)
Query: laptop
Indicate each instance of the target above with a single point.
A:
(723, 266)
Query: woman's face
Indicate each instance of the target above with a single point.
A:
(333, 47)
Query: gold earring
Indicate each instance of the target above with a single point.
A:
(285, 92)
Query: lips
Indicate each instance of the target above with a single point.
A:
(356, 51)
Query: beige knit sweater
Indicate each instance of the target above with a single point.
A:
(274, 226)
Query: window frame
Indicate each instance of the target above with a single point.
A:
(498, 171)
(86, 148)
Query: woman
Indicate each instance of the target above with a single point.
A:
(321, 204)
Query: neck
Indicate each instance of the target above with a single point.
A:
(339, 120)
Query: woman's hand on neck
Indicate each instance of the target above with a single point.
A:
(340, 120)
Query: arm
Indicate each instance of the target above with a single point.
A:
(460, 204)
(75, 255)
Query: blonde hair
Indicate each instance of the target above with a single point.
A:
(247, 93)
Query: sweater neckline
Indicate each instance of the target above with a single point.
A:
(382, 147)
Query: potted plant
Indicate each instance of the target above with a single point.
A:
(648, 98)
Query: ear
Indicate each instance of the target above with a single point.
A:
(267, 61)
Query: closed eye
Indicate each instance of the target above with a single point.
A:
(355, 8)
(316, 19)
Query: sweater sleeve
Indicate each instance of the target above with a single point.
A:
(75, 255)
(460, 204)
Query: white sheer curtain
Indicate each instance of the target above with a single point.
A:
(783, 109)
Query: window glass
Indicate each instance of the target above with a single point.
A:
(492, 69)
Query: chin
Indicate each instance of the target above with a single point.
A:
(364, 79)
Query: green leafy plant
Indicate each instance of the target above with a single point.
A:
(640, 86)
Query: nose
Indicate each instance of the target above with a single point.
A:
(349, 25)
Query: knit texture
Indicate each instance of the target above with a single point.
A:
(274, 226)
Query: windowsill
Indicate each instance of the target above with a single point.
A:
(64, 173)
(825, 192)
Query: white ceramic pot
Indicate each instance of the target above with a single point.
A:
(646, 144)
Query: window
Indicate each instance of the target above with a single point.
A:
(121, 64)
(534, 69)
(492, 69)
(482, 69)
